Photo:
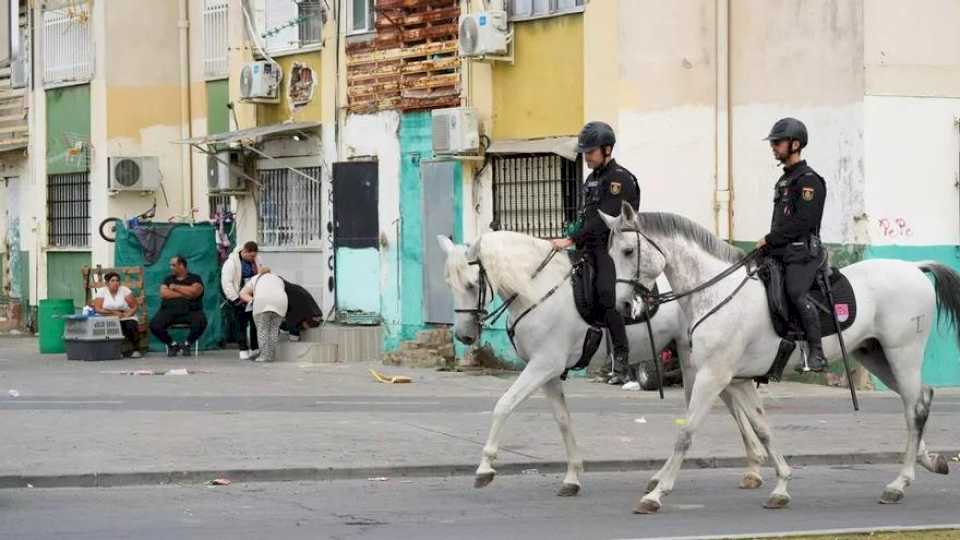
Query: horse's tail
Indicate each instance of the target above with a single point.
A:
(946, 283)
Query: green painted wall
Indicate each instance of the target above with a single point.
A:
(218, 116)
(68, 120)
(416, 144)
(941, 364)
(64, 279)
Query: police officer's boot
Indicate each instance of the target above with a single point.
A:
(621, 366)
(810, 320)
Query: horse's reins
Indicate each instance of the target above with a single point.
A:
(480, 312)
(670, 296)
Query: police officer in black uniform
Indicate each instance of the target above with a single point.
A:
(795, 229)
(605, 189)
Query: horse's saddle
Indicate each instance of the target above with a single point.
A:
(785, 320)
(784, 317)
(585, 293)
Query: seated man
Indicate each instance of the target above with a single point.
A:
(182, 302)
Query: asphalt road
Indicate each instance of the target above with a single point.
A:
(704, 503)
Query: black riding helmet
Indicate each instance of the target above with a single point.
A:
(595, 135)
(788, 129)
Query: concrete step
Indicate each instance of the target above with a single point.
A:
(306, 352)
(354, 343)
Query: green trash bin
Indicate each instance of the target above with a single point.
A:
(51, 313)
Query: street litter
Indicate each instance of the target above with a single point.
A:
(386, 379)
(680, 421)
(957, 458)
(177, 371)
(14, 393)
(379, 479)
(530, 471)
(220, 482)
(641, 420)
(180, 371)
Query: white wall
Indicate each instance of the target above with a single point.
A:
(912, 154)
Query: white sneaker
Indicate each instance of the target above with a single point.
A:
(244, 355)
(632, 385)
(255, 353)
(292, 337)
(136, 354)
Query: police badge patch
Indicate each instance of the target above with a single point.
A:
(615, 188)
(807, 194)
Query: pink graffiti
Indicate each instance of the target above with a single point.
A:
(898, 228)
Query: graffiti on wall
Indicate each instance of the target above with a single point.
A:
(895, 228)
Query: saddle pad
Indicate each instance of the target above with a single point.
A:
(784, 320)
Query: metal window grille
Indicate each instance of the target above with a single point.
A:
(311, 22)
(522, 9)
(67, 45)
(289, 208)
(68, 210)
(536, 194)
(215, 47)
(219, 204)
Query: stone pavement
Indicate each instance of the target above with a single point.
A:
(73, 423)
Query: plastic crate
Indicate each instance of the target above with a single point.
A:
(82, 327)
(93, 349)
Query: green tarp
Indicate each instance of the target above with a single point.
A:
(197, 243)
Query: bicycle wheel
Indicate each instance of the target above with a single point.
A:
(108, 229)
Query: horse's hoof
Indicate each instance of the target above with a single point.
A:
(647, 506)
(652, 485)
(941, 465)
(891, 496)
(751, 481)
(569, 490)
(483, 480)
(776, 502)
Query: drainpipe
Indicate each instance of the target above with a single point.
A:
(186, 129)
(723, 195)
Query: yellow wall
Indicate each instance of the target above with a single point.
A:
(268, 114)
(541, 94)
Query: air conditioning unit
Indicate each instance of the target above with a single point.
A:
(484, 33)
(227, 171)
(134, 173)
(455, 131)
(260, 81)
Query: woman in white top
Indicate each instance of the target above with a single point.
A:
(118, 301)
(265, 292)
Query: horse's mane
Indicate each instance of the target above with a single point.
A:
(510, 259)
(667, 224)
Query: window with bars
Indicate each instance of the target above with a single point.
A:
(67, 45)
(528, 9)
(68, 210)
(536, 194)
(288, 25)
(288, 211)
(361, 16)
(215, 46)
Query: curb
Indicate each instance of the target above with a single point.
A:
(315, 474)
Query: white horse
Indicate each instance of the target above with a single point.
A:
(550, 338)
(896, 308)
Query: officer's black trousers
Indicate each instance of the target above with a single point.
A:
(605, 283)
(798, 279)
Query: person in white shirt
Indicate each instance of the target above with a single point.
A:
(265, 292)
(237, 270)
(118, 301)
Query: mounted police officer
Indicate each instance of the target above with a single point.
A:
(605, 189)
(794, 236)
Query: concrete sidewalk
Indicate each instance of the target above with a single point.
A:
(84, 424)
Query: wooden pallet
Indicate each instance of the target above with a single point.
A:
(413, 61)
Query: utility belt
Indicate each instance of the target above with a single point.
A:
(801, 251)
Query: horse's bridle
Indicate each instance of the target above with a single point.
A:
(645, 294)
(480, 312)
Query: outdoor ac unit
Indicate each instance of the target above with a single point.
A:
(226, 170)
(455, 131)
(134, 173)
(260, 81)
(484, 33)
